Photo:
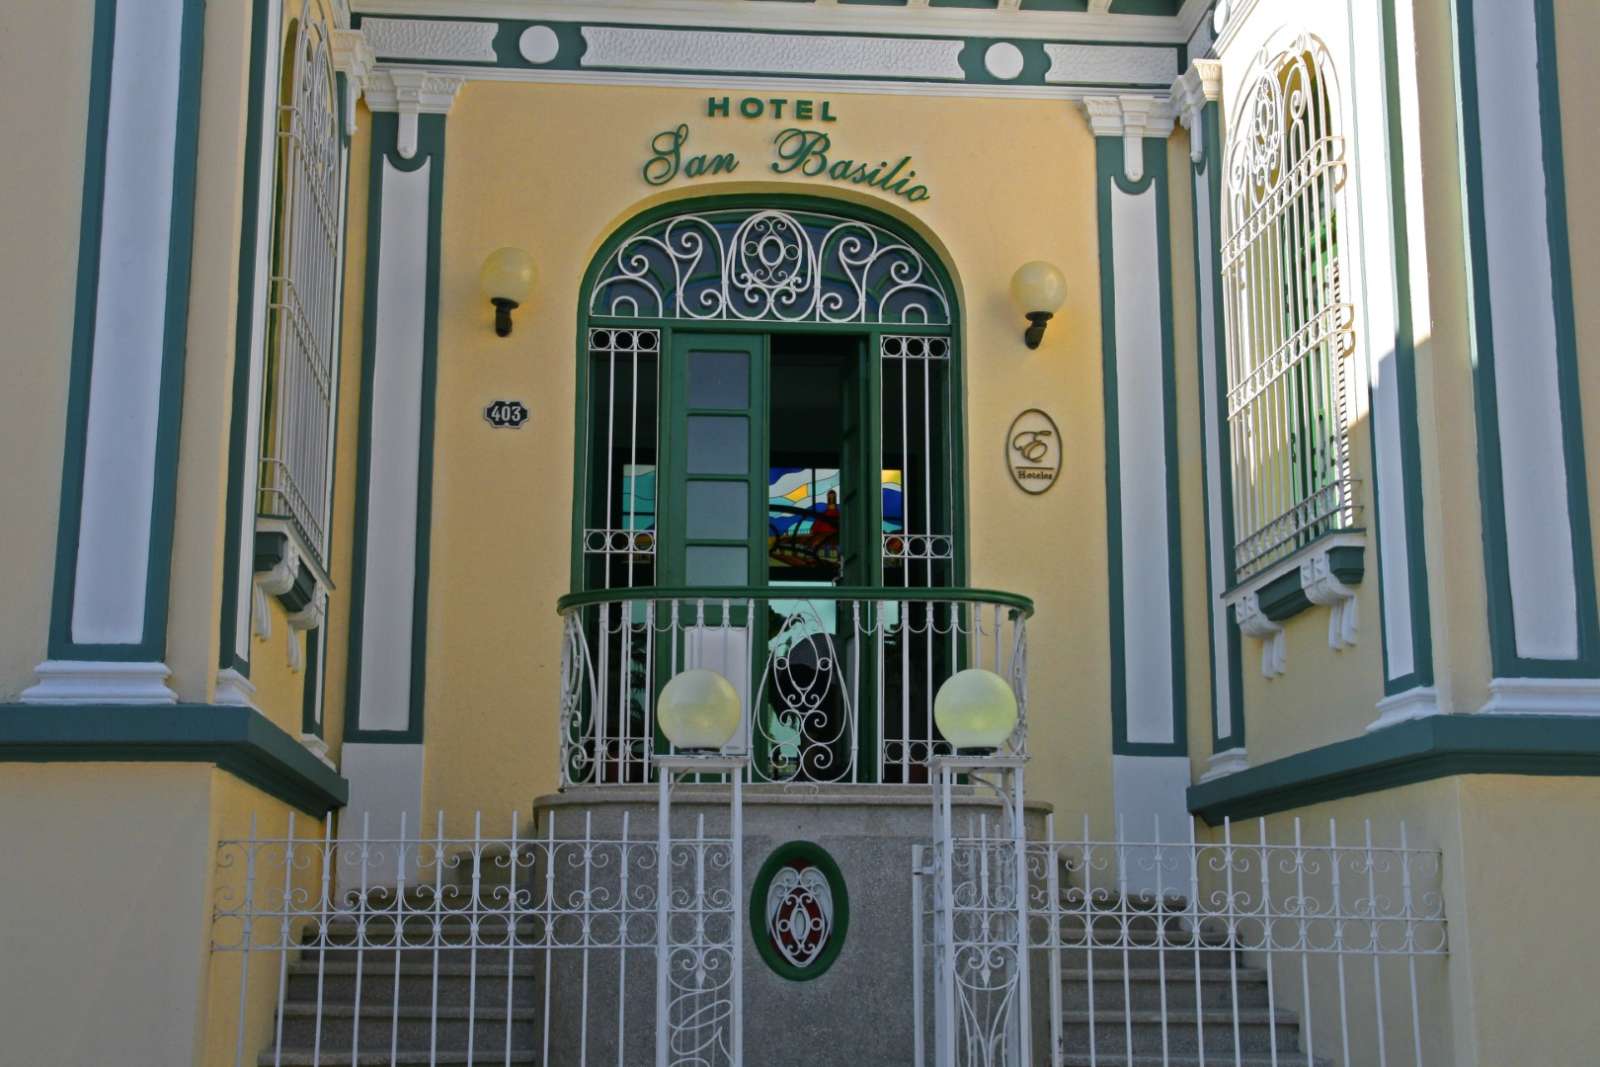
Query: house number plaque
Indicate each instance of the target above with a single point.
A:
(506, 414)
(1033, 451)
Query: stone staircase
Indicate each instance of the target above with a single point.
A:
(1157, 1004)
(424, 1002)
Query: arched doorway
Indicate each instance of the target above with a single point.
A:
(769, 440)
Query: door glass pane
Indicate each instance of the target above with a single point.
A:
(718, 510)
(716, 565)
(719, 380)
(718, 445)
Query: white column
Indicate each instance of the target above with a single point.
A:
(383, 752)
(1150, 765)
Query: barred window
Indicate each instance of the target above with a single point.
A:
(297, 426)
(1289, 319)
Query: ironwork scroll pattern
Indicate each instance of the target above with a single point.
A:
(770, 265)
(813, 671)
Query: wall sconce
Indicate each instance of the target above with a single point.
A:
(1038, 289)
(507, 279)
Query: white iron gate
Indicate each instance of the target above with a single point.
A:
(442, 948)
(1254, 945)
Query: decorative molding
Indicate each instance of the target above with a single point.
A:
(260, 613)
(539, 44)
(313, 614)
(318, 748)
(1321, 586)
(914, 17)
(234, 689)
(238, 740)
(1416, 703)
(1253, 622)
(1325, 572)
(1196, 87)
(1229, 761)
(297, 656)
(1543, 696)
(644, 48)
(1133, 117)
(410, 93)
(281, 577)
(100, 682)
(352, 57)
(1100, 64)
(437, 39)
(1420, 750)
(1003, 60)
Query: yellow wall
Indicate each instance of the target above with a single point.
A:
(104, 883)
(524, 166)
(1518, 857)
(47, 45)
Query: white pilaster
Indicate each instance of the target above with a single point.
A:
(116, 511)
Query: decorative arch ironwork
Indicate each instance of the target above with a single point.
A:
(766, 264)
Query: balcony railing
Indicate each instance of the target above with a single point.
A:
(837, 683)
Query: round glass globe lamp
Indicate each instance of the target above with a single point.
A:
(1038, 287)
(698, 711)
(975, 710)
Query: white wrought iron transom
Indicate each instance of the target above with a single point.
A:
(1289, 318)
(773, 266)
(296, 446)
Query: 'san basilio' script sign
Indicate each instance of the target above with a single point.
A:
(1033, 451)
(802, 151)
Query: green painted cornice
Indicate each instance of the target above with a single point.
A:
(1420, 750)
(236, 739)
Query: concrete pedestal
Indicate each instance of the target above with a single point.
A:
(859, 1011)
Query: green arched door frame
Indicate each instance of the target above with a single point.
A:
(787, 202)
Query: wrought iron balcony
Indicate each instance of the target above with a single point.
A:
(837, 683)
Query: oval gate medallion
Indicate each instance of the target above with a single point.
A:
(1033, 451)
(799, 910)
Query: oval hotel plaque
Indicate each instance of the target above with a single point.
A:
(1033, 451)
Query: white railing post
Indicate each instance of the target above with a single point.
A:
(1006, 1040)
(671, 770)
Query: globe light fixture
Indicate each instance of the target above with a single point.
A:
(1037, 289)
(506, 279)
(698, 711)
(975, 710)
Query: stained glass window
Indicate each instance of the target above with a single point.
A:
(802, 517)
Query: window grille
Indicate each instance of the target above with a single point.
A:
(297, 425)
(1289, 319)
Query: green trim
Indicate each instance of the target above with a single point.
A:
(238, 740)
(1209, 170)
(174, 346)
(838, 592)
(1502, 635)
(1420, 750)
(1109, 168)
(430, 147)
(813, 855)
(311, 692)
(238, 447)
